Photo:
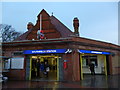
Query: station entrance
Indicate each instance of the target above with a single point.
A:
(94, 62)
(100, 64)
(44, 68)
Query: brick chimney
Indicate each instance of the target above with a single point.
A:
(76, 26)
(30, 25)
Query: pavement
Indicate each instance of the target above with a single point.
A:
(89, 82)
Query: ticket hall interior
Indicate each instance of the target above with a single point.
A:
(53, 65)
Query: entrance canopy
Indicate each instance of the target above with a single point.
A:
(47, 51)
(93, 52)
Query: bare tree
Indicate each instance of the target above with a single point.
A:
(7, 33)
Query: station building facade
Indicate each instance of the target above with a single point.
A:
(67, 54)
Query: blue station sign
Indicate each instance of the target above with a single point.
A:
(47, 51)
(93, 52)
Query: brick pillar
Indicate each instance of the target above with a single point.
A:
(72, 72)
(27, 59)
(76, 66)
(68, 72)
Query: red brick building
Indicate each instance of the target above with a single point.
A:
(67, 54)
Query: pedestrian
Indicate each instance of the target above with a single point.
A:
(92, 68)
(38, 67)
(47, 69)
(34, 71)
(42, 69)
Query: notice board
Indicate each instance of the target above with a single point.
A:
(17, 63)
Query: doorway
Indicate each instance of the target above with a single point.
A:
(44, 68)
(99, 61)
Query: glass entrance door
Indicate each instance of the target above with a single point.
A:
(44, 68)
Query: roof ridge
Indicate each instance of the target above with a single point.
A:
(43, 10)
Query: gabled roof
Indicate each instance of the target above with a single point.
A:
(60, 27)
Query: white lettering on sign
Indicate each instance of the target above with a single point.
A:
(96, 52)
(44, 51)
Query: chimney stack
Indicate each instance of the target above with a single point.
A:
(30, 25)
(76, 26)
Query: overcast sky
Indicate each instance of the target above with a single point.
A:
(98, 20)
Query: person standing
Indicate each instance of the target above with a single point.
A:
(42, 69)
(92, 68)
(47, 69)
(38, 65)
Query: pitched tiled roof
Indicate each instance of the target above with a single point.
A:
(64, 31)
(23, 36)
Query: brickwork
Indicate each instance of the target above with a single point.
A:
(68, 72)
(48, 29)
(58, 36)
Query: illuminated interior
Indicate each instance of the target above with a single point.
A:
(37, 74)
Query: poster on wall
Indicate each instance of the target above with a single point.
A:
(17, 63)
